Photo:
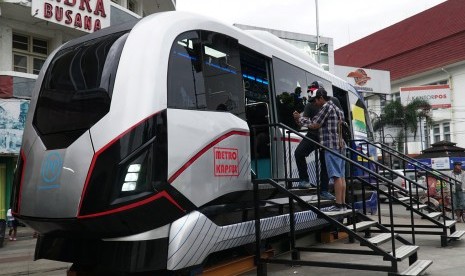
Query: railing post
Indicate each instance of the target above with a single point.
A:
(283, 138)
(295, 254)
(289, 154)
(318, 176)
(391, 220)
(451, 186)
(261, 267)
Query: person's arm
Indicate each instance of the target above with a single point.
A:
(321, 117)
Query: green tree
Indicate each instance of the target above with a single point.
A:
(406, 117)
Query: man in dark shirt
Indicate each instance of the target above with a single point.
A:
(327, 122)
(306, 147)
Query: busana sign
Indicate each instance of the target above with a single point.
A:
(84, 15)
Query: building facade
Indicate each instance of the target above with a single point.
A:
(30, 30)
(423, 53)
(324, 54)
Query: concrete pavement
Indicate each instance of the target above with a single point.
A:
(447, 261)
(16, 258)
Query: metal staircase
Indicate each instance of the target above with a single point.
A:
(415, 196)
(388, 248)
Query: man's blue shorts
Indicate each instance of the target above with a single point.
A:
(335, 166)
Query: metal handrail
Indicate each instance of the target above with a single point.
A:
(417, 165)
(342, 156)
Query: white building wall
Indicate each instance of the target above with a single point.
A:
(6, 47)
(455, 77)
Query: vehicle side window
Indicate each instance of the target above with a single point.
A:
(186, 88)
(222, 73)
(291, 85)
(204, 73)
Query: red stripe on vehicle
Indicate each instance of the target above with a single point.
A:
(205, 149)
(293, 140)
(97, 154)
(162, 194)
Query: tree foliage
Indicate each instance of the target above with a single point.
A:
(407, 117)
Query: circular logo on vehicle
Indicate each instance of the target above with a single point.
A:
(51, 167)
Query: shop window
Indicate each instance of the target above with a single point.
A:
(436, 134)
(133, 6)
(395, 96)
(446, 131)
(29, 53)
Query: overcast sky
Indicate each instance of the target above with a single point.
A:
(344, 20)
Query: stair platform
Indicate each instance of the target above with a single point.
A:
(360, 226)
(456, 235)
(405, 251)
(382, 238)
(416, 268)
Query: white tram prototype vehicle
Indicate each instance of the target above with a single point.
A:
(137, 151)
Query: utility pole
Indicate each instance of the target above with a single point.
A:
(317, 33)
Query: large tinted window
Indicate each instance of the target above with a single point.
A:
(291, 87)
(255, 77)
(204, 73)
(76, 90)
(186, 87)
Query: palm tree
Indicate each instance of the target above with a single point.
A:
(407, 117)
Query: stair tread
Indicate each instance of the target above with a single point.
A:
(309, 199)
(362, 225)
(404, 251)
(457, 234)
(417, 268)
(405, 198)
(418, 207)
(434, 214)
(450, 223)
(381, 238)
(337, 213)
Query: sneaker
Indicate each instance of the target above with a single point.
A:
(304, 184)
(327, 195)
(334, 208)
(14, 239)
(11, 238)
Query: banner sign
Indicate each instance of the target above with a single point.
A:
(13, 114)
(85, 15)
(365, 80)
(438, 96)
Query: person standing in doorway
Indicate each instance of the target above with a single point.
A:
(306, 147)
(457, 191)
(327, 122)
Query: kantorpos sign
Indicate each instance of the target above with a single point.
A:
(85, 15)
(438, 96)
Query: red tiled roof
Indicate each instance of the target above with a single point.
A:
(431, 39)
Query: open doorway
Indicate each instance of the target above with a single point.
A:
(257, 99)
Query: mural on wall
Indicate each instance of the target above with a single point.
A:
(13, 114)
